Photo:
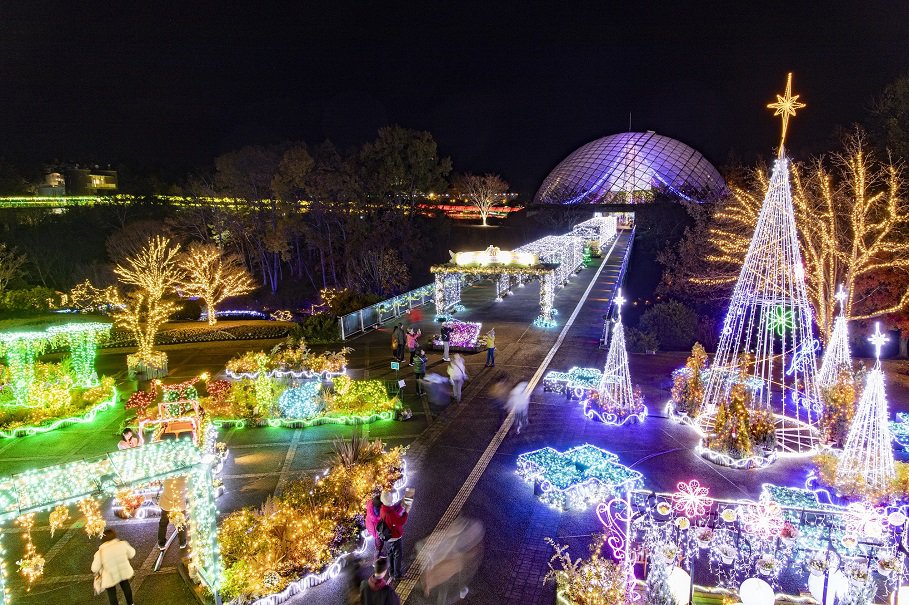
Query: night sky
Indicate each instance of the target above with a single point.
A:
(504, 87)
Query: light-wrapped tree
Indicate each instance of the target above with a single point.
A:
(154, 273)
(213, 276)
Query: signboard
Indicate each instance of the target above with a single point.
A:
(402, 384)
(395, 365)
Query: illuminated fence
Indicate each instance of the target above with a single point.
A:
(375, 315)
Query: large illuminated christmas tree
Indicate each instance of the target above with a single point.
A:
(769, 316)
(867, 457)
(615, 393)
(836, 356)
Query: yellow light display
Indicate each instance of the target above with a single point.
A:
(785, 106)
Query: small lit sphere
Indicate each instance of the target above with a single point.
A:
(679, 583)
(271, 580)
(755, 591)
(896, 519)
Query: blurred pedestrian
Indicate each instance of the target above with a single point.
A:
(419, 369)
(357, 570)
(373, 508)
(394, 515)
(129, 440)
(453, 562)
(445, 337)
(457, 374)
(438, 389)
(111, 567)
(498, 394)
(518, 402)
(172, 502)
(491, 348)
(376, 590)
(413, 337)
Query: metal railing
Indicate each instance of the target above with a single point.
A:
(369, 317)
(620, 278)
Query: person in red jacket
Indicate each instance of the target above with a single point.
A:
(394, 514)
(373, 508)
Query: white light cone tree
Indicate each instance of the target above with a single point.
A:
(615, 390)
(868, 456)
(836, 357)
(770, 317)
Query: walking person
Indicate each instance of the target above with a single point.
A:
(457, 374)
(111, 567)
(445, 337)
(518, 402)
(498, 393)
(419, 369)
(172, 501)
(376, 590)
(394, 515)
(413, 337)
(491, 348)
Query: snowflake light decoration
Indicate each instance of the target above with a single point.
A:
(780, 320)
(865, 521)
(691, 499)
(763, 519)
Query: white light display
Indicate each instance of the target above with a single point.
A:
(867, 454)
(615, 396)
(836, 357)
(770, 316)
(600, 229)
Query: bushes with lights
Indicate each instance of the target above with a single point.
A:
(596, 580)
(307, 527)
(688, 383)
(291, 357)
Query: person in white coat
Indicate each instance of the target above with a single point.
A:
(518, 402)
(457, 373)
(111, 565)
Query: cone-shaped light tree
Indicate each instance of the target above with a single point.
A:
(836, 356)
(616, 395)
(770, 317)
(867, 457)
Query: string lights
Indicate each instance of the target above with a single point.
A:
(576, 478)
(836, 356)
(615, 401)
(867, 456)
(770, 316)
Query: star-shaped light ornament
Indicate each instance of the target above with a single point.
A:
(785, 106)
(619, 300)
(840, 296)
(877, 340)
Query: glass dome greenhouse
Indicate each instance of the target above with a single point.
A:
(630, 167)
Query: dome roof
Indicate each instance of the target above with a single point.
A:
(626, 168)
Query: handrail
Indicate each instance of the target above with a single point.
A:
(358, 322)
(618, 284)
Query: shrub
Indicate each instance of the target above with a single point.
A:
(190, 310)
(32, 300)
(674, 324)
(640, 342)
(319, 328)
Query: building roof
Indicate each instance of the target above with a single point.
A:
(627, 168)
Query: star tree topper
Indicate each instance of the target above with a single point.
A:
(877, 340)
(785, 106)
(619, 300)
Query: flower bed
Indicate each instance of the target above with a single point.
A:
(121, 338)
(62, 405)
(465, 336)
(284, 545)
(291, 359)
(267, 401)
